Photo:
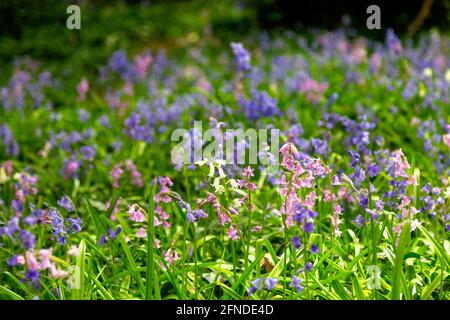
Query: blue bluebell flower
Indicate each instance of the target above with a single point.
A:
(242, 56)
(296, 242)
(66, 203)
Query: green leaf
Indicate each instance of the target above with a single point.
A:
(340, 290)
(247, 272)
(20, 284)
(397, 273)
(78, 276)
(428, 290)
(131, 264)
(8, 293)
(230, 292)
(439, 248)
(357, 289)
(150, 243)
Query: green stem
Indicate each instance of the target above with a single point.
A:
(185, 257)
(372, 231)
(150, 243)
(195, 261)
(249, 233)
(233, 252)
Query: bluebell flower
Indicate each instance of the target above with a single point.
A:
(270, 283)
(28, 240)
(13, 261)
(189, 213)
(11, 228)
(355, 158)
(16, 205)
(61, 239)
(87, 133)
(74, 225)
(66, 203)
(104, 121)
(364, 201)
(435, 191)
(372, 213)
(308, 266)
(118, 62)
(296, 242)
(314, 248)
(56, 221)
(102, 240)
(379, 205)
(60, 230)
(255, 285)
(30, 220)
(429, 203)
(359, 176)
(7, 139)
(136, 130)
(33, 277)
(241, 56)
(88, 152)
(333, 97)
(320, 146)
(373, 170)
(393, 42)
(300, 214)
(260, 105)
(306, 218)
(359, 220)
(200, 214)
(308, 227)
(111, 233)
(83, 114)
(296, 283)
(67, 140)
(312, 214)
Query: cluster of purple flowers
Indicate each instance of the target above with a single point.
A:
(153, 118)
(118, 170)
(260, 105)
(335, 172)
(192, 215)
(263, 283)
(428, 131)
(22, 85)
(13, 230)
(129, 71)
(433, 200)
(66, 203)
(78, 147)
(112, 235)
(7, 139)
(19, 230)
(242, 57)
(62, 227)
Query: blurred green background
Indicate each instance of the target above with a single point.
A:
(37, 29)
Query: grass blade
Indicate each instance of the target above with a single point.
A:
(397, 273)
(78, 276)
(150, 243)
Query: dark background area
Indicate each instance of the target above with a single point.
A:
(396, 14)
(37, 29)
(20, 15)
